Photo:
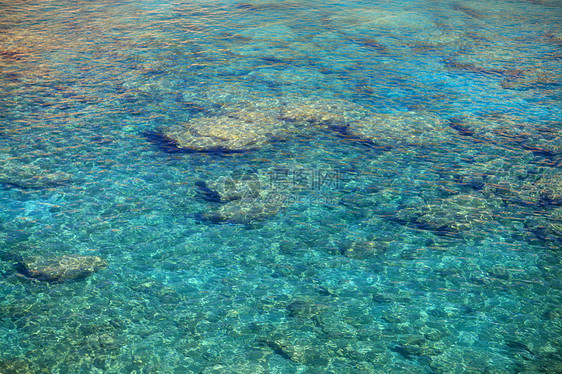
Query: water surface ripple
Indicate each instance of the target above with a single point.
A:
(267, 186)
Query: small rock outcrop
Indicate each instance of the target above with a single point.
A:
(243, 211)
(244, 199)
(24, 175)
(60, 268)
(547, 225)
(453, 215)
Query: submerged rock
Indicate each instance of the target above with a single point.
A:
(239, 368)
(322, 112)
(544, 191)
(243, 211)
(547, 190)
(16, 366)
(60, 268)
(408, 128)
(234, 187)
(493, 57)
(418, 345)
(515, 179)
(453, 215)
(365, 249)
(305, 309)
(236, 131)
(547, 226)
(514, 132)
(490, 173)
(244, 198)
(531, 79)
(297, 352)
(24, 175)
(251, 124)
(466, 359)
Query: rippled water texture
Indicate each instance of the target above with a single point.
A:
(280, 186)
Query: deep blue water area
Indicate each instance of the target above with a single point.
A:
(280, 186)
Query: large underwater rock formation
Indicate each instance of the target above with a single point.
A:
(250, 125)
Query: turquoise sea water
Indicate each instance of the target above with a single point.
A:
(421, 233)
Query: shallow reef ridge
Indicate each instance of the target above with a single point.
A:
(259, 124)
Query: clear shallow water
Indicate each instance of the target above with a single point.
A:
(427, 251)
